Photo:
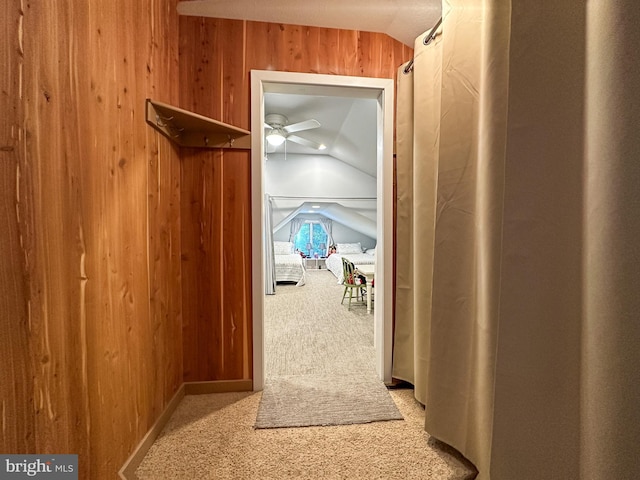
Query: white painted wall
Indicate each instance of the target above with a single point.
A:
(315, 176)
(344, 234)
(356, 144)
(329, 179)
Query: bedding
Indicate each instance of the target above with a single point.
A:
(283, 248)
(290, 268)
(334, 262)
(348, 248)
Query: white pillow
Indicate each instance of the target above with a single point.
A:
(371, 251)
(345, 248)
(282, 248)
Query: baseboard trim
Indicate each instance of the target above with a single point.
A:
(218, 386)
(128, 470)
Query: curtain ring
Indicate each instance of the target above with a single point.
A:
(426, 41)
(432, 34)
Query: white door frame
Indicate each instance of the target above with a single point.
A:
(334, 85)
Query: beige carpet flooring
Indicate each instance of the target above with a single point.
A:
(309, 400)
(320, 359)
(308, 332)
(213, 436)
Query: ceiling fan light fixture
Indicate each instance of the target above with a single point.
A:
(276, 137)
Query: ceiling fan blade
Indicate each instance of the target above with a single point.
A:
(306, 125)
(305, 142)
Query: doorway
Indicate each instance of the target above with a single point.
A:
(331, 85)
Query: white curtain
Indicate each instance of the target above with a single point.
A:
(448, 217)
(269, 259)
(517, 256)
(418, 111)
(327, 224)
(295, 226)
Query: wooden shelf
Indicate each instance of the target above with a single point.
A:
(189, 129)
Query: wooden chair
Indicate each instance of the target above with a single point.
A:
(350, 279)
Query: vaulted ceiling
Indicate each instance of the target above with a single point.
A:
(347, 126)
(403, 20)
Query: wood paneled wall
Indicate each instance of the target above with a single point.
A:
(99, 281)
(216, 57)
(90, 309)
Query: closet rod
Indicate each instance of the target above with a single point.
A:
(284, 197)
(427, 40)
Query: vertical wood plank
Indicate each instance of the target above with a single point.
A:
(51, 218)
(165, 295)
(348, 53)
(92, 204)
(118, 243)
(189, 225)
(17, 421)
(233, 211)
(377, 55)
(234, 98)
(236, 205)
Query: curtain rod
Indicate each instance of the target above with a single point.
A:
(427, 40)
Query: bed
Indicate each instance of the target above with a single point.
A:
(352, 252)
(289, 265)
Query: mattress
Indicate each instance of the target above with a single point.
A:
(334, 262)
(290, 268)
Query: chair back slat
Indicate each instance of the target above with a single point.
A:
(348, 269)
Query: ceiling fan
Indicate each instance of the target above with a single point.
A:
(278, 131)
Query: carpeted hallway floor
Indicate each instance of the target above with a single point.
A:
(307, 331)
(320, 359)
(213, 436)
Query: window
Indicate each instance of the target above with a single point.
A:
(312, 235)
